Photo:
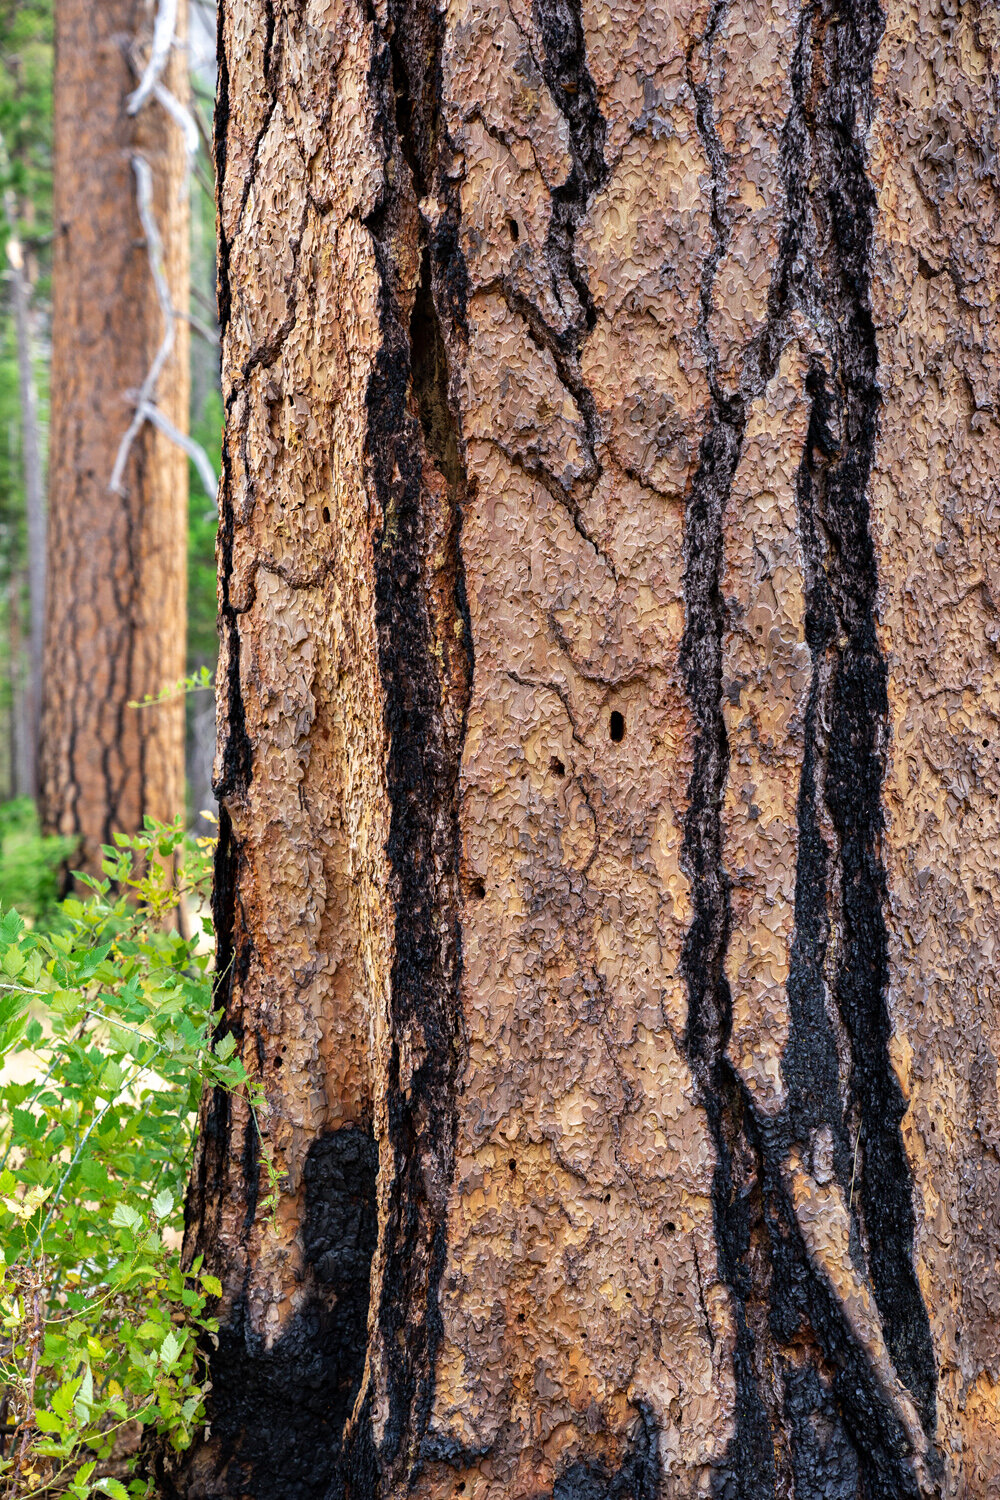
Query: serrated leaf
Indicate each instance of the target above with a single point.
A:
(114, 1488)
(12, 962)
(170, 1349)
(125, 1217)
(163, 1204)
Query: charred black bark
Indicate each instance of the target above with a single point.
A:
(421, 613)
(636, 1478)
(811, 1413)
(279, 1412)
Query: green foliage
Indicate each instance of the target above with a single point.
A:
(30, 863)
(107, 1037)
(200, 681)
(26, 65)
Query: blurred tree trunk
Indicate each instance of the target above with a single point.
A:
(34, 493)
(609, 609)
(116, 588)
(17, 784)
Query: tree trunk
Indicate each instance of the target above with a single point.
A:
(116, 602)
(609, 605)
(18, 784)
(34, 492)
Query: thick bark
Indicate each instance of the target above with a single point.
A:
(116, 587)
(608, 790)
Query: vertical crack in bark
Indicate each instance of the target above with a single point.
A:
(736, 1187)
(795, 1350)
(235, 765)
(836, 491)
(416, 463)
(564, 68)
(567, 77)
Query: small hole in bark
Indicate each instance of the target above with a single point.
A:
(326, 514)
(520, 1317)
(558, 769)
(671, 1228)
(617, 726)
(514, 228)
(656, 1260)
(279, 1062)
(460, 1489)
(607, 1197)
(512, 1164)
(477, 888)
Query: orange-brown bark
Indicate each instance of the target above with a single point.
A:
(605, 761)
(116, 564)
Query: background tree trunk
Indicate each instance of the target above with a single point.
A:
(115, 626)
(19, 784)
(609, 605)
(34, 490)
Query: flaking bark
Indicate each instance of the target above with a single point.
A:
(597, 718)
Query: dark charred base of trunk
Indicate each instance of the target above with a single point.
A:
(278, 1413)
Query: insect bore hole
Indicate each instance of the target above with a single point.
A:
(326, 514)
(514, 230)
(617, 726)
(556, 766)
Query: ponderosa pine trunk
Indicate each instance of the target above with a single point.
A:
(607, 888)
(116, 562)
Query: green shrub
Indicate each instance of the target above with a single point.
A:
(30, 863)
(106, 1035)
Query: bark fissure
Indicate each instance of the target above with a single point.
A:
(563, 65)
(415, 460)
(782, 1302)
(858, 705)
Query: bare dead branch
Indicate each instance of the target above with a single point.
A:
(163, 40)
(191, 447)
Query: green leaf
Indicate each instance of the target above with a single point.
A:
(85, 1395)
(64, 1397)
(163, 1204)
(170, 1350)
(46, 1422)
(12, 962)
(212, 1285)
(114, 1488)
(225, 1047)
(125, 1217)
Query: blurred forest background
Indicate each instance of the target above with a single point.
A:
(27, 862)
